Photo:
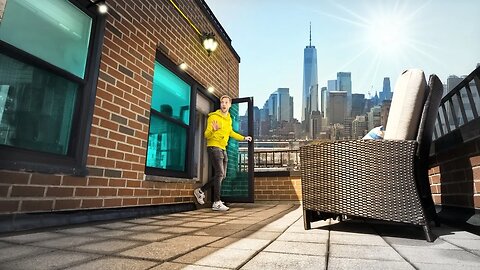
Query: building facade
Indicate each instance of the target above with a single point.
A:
(98, 114)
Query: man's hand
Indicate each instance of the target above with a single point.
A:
(248, 138)
(215, 125)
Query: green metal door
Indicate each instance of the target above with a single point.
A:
(238, 185)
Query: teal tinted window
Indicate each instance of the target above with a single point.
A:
(166, 145)
(36, 107)
(171, 95)
(53, 30)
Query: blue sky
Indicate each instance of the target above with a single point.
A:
(372, 39)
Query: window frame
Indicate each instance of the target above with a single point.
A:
(75, 162)
(195, 88)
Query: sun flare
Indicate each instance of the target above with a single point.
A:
(387, 35)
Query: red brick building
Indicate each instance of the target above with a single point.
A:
(95, 111)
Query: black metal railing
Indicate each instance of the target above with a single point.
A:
(271, 160)
(460, 106)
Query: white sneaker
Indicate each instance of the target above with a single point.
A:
(199, 195)
(219, 206)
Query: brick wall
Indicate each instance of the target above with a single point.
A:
(455, 172)
(118, 141)
(278, 188)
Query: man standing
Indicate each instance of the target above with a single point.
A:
(218, 131)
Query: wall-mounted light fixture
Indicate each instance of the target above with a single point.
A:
(183, 66)
(101, 6)
(211, 89)
(209, 42)
(207, 39)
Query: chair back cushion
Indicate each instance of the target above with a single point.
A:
(407, 106)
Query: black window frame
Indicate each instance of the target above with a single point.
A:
(195, 88)
(75, 162)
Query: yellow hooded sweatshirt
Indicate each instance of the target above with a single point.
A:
(220, 137)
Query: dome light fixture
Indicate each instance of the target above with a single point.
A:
(209, 42)
(102, 8)
(183, 66)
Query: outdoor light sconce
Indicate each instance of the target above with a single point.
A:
(209, 42)
(101, 6)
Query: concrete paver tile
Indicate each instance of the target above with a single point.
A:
(223, 258)
(364, 239)
(282, 261)
(11, 252)
(149, 236)
(66, 241)
(319, 237)
(364, 252)
(177, 230)
(297, 248)
(114, 263)
(107, 246)
(213, 231)
(142, 228)
(428, 266)
(31, 237)
(169, 248)
(113, 233)
(81, 230)
(115, 225)
(437, 244)
(178, 266)
(48, 261)
(237, 243)
(438, 256)
(256, 235)
(354, 264)
(473, 245)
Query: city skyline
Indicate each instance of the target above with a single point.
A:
(370, 39)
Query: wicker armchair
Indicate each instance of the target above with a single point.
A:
(378, 179)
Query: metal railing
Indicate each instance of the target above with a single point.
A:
(271, 160)
(460, 106)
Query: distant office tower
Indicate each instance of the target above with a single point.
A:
(315, 124)
(280, 105)
(358, 104)
(323, 100)
(310, 80)
(314, 98)
(385, 111)
(337, 102)
(359, 127)
(332, 85)
(344, 83)
(386, 93)
(374, 117)
(284, 105)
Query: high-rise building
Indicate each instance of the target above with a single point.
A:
(284, 108)
(324, 100)
(332, 85)
(310, 79)
(374, 117)
(344, 83)
(358, 104)
(337, 102)
(386, 93)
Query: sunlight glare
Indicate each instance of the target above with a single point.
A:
(387, 35)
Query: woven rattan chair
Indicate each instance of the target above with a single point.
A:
(378, 179)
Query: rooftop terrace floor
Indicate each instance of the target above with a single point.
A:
(249, 236)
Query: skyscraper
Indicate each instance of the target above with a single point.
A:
(386, 93)
(344, 83)
(310, 81)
